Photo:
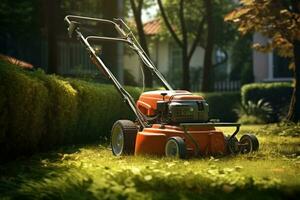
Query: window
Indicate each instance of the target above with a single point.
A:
(281, 67)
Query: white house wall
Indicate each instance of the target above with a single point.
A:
(198, 58)
(162, 57)
(261, 61)
(131, 63)
(159, 55)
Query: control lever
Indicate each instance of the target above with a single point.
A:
(72, 27)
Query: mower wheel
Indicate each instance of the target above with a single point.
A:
(175, 147)
(248, 143)
(232, 145)
(123, 135)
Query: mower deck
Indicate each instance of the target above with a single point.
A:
(201, 139)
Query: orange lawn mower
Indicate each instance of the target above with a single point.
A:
(172, 123)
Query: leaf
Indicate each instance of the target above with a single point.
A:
(148, 178)
(236, 14)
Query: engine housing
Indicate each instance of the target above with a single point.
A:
(173, 107)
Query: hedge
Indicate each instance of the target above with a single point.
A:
(277, 94)
(222, 105)
(39, 111)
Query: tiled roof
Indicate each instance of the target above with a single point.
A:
(152, 27)
(15, 61)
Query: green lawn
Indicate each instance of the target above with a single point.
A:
(91, 172)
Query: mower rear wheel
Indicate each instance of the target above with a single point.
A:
(248, 143)
(175, 147)
(123, 135)
(232, 145)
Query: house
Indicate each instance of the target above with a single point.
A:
(269, 67)
(166, 56)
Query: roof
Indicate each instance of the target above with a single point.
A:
(152, 27)
(15, 61)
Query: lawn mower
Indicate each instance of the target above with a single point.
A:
(172, 123)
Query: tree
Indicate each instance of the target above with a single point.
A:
(192, 24)
(279, 21)
(183, 41)
(137, 7)
(209, 47)
(52, 10)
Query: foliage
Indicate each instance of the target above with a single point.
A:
(18, 18)
(279, 21)
(255, 113)
(187, 22)
(284, 129)
(225, 110)
(194, 13)
(39, 111)
(83, 7)
(250, 119)
(91, 172)
(22, 112)
(62, 110)
(272, 18)
(277, 94)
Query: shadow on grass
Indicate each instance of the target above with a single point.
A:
(54, 176)
(36, 168)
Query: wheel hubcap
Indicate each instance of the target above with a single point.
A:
(117, 141)
(247, 146)
(172, 149)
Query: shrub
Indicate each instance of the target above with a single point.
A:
(61, 110)
(99, 108)
(255, 113)
(22, 111)
(39, 111)
(222, 104)
(277, 94)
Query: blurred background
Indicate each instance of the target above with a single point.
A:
(197, 51)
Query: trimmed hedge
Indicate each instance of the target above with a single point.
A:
(277, 94)
(39, 111)
(222, 105)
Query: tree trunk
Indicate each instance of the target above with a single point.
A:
(52, 12)
(109, 53)
(294, 110)
(185, 70)
(143, 41)
(207, 83)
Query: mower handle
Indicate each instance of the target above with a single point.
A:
(128, 38)
(69, 18)
(108, 39)
(131, 40)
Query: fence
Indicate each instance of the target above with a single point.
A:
(72, 57)
(227, 86)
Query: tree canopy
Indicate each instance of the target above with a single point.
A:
(279, 21)
(197, 23)
(274, 19)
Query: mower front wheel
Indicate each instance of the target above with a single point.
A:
(248, 143)
(123, 135)
(175, 147)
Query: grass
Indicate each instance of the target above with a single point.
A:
(91, 172)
